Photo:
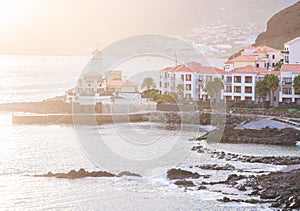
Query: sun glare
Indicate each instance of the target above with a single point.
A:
(11, 10)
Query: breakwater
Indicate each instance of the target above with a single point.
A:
(82, 119)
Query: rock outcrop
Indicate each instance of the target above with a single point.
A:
(81, 173)
(282, 27)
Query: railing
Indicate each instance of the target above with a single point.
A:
(285, 52)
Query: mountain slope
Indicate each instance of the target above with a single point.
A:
(282, 27)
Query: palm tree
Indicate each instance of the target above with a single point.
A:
(272, 83)
(296, 84)
(261, 89)
(180, 89)
(149, 83)
(278, 65)
(213, 88)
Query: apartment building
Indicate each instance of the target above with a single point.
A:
(260, 56)
(239, 84)
(291, 51)
(188, 80)
(287, 93)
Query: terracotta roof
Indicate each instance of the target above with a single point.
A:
(249, 47)
(197, 67)
(260, 60)
(293, 40)
(194, 67)
(294, 68)
(251, 70)
(229, 62)
(264, 48)
(120, 83)
(93, 74)
(242, 58)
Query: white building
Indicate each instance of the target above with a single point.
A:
(239, 84)
(192, 78)
(260, 56)
(287, 93)
(291, 51)
(88, 90)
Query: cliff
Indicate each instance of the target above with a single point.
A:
(282, 27)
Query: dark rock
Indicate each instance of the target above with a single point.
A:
(73, 174)
(184, 183)
(216, 167)
(241, 187)
(224, 199)
(181, 174)
(268, 194)
(275, 204)
(202, 187)
(251, 201)
(127, 173)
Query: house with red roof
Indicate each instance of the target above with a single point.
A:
(188, 79)
(239, 84)
(287, 93)
(260, 56)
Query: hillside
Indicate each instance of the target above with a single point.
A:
(282, 27)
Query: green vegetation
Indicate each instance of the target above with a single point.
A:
(148, 83)
(261, 89)
(272, 83)
(269, 84)
(278, 65)
(214, 87)
(154, 95)
(180, 90)
(296, 83)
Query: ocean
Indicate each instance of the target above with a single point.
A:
(27, 150)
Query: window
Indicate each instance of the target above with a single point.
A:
(160, 84)
(228, 79)
(286, 100)
(248, 89)
(237, 89)
(248, 99)
(260, 78)
(188, 77)
(188, 87)
(273, 56)
(257, 65)
(237, 79)
(237, 99)
(208, 78)
(200, 78)
(287, 80)
(188, 96)
(228, 89)
(166, 85)
(273, 64)
(287, 91)
(182, 77)
(228, 99)
(166, 75)
(248, 79)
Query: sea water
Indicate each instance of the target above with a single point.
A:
(27, 150)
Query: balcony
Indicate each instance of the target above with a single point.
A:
(285, 52)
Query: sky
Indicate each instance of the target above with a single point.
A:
(73, 26)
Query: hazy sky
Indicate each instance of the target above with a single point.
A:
(71, 26)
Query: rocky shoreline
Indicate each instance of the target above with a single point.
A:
(81, 173)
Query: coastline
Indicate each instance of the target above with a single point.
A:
(235, 184)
